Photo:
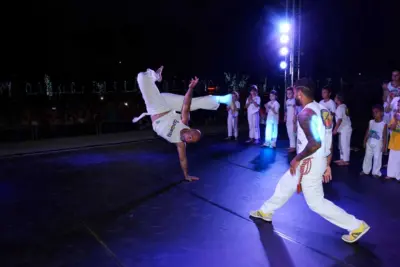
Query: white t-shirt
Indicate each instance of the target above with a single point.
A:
(252, 108)
(271, 115)
(330, 105)
(342, 113)
(169, 127)
(328, 123)
(393, 89)
(290, 110)
(394, 105)
(375, 134)
(318, 125)
(387, 115)
(236, 113)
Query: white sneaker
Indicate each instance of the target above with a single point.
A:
(261, 215)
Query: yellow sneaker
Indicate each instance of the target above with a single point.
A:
(356, 234)
(261, 215)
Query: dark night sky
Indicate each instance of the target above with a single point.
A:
(81, 39)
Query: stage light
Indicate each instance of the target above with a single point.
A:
(126, 104)
(101, 98)
(284, 51)
(284, 39)
(283, 65)
(284, 27)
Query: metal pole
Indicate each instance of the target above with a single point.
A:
(286, 72)
(299, 42)
(293, 28)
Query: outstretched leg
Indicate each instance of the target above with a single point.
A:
(155, 102)
(204, 102)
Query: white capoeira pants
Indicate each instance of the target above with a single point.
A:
(344, 144)
(271, 131)
(373, 159)
(157, 103)
(393, 168)
(254, 125)
(233, 125)
(291, 134)
(313, 194)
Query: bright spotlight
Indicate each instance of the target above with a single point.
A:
(284, 51)
(284, 39)
(284, 27)
(126, 104)
(283, 65)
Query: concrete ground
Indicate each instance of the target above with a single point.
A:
(126, 205)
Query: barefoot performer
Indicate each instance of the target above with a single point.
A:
(167, 123)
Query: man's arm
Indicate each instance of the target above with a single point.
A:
(187, 101)
(182, 158)
(305, 119)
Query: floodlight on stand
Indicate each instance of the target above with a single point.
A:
(283, 65)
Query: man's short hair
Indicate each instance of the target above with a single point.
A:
(327, 88)
(289, 89)
(275, 93)
(253, 87)
(378, 107)
(306, 86)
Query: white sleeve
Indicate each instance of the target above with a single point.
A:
(258, 100)
(277, 106)
(339, 112)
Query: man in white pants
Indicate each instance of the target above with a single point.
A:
(308, 168)
(344, 129)
(167, 123)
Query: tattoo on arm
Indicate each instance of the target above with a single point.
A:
(182, 158)
(313, 140)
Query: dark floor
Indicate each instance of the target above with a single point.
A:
(125, 206)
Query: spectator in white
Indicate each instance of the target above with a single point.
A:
(374, 143)
(394, 85)
(387, 113)
(290, 118)
(271, 128)
(253, 106)
(326, 101)
(343, 128)
(233, 116)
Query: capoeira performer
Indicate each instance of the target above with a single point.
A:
(326, 101)
(233, 117)
(167, 123)
(344, 129)
(309, 169)
(290, 118)
(253, 115)
(374, 143)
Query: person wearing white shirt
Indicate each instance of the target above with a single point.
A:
(290, 118)
(344, 129)
(326, 101)
(374, 143)
(394, 85)
(253, 107)
(271, 128)
(233, 116)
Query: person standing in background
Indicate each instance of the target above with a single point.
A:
(253, 106)
(344, 129)
(290, 118)
(271, 129)
(326, 101)
(233, 117)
